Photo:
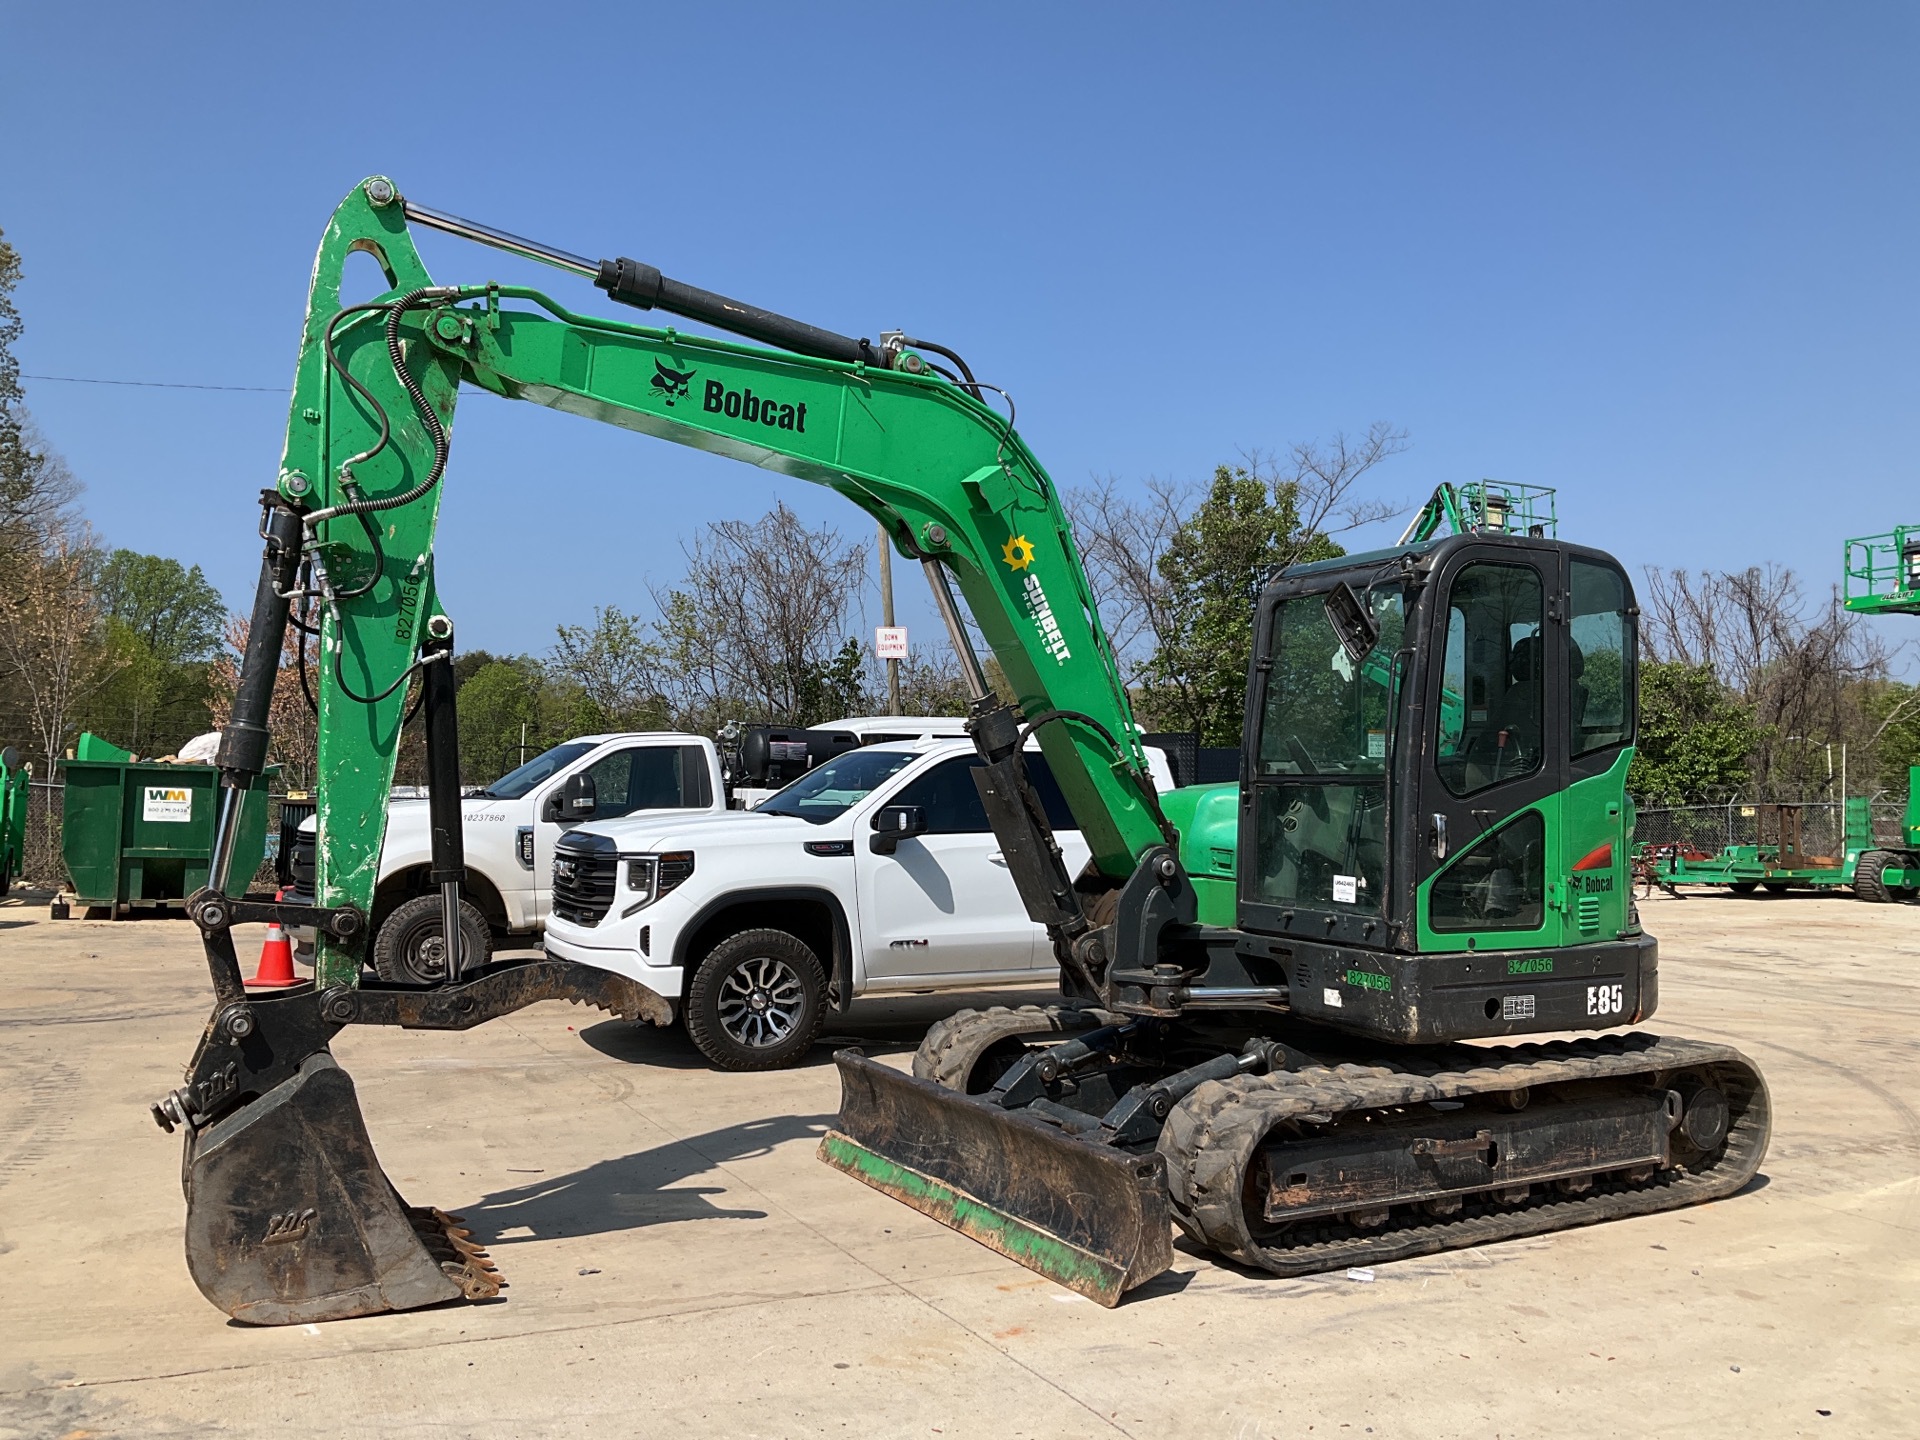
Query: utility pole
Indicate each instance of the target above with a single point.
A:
(886, 618)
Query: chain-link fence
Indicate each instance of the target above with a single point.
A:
(1710, 828)
(42, 867)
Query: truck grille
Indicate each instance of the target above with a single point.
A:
(584, 869)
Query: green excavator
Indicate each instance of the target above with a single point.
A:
(1431, 840)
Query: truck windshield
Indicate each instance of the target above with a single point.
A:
(518, 781)
(1326, 730)
(828, 791)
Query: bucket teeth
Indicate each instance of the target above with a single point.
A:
(461, 1261)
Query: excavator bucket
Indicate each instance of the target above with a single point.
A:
(1093, 1218)
(291, 1219)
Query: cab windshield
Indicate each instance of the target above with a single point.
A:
(522, 778)
(1326, 730)
(1326, 715)
(828, 791)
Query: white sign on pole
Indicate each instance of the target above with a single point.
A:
(890, 642)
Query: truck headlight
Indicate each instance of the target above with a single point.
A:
(651, 876)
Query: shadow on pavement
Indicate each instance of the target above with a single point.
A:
(885, 1025)
(634, 1190)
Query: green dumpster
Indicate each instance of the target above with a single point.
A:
(138, 835)
(13, 815)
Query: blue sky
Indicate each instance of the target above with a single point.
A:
(1659, 257)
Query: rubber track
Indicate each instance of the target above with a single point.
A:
(954, 1046)
(1211, 1137)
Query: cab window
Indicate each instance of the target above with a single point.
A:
(1600, 660)
(953, 805)
(656, 777)
(1498, 883)
(1491, 717)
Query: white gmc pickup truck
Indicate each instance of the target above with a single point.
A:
(875, 871)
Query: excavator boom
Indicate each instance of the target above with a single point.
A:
(290, 1216)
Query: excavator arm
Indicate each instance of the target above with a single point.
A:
(290, 1217)
(944, 474)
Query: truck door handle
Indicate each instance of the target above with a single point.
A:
(1437, 837)
(996, 857)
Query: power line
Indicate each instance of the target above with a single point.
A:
(155, 384)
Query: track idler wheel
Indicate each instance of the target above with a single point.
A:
(290, 1218)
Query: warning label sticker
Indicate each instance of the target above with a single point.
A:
(167, 803)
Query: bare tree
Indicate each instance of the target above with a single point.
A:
(50, 617)
(293, 728)
(759, 624)
(1122, 541)
(1803, 666)
(1175, 571)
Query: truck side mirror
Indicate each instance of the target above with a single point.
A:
(579, 797)
(894, 823)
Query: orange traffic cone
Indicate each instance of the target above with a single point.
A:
(276, 963)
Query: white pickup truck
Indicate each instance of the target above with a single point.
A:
(510, 829)
(754, 923)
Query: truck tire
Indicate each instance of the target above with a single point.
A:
(1867, 883)
(1743, 887)
(756, 1001)
(407, 949)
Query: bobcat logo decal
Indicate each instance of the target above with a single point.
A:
(670, 385)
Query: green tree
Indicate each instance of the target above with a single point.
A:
(163, 623)
(1247, 527)
(171, 610)
(499, 707)
(610, 666)
(828, 689)
(1697, 737)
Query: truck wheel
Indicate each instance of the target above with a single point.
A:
(408, 948)
(756, 1001)
(1867, 883)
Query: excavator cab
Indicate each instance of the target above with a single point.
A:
(1433, 833)
(1434, 818)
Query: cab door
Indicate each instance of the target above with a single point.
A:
(944, 903)
(1494, 761)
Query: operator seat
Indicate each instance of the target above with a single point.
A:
(1518, 713)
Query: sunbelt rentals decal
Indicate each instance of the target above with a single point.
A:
(1018, 554)
(169, 803)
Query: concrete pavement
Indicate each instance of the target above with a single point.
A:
(679, 1263)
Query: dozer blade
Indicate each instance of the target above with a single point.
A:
(291, 1219)
(1090, 1217)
